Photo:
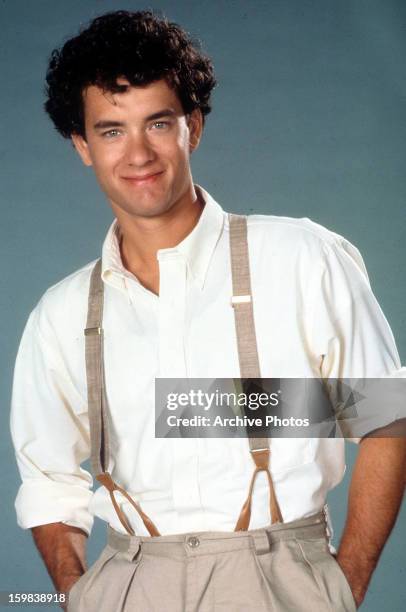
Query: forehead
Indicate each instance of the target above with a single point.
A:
(137, 101)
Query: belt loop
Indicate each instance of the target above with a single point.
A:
(134, 547)
(327, 520)
(262, 542)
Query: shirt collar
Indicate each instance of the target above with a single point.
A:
(197, 248)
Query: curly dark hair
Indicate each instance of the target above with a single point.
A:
(137, 46)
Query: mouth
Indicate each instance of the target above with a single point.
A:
(142, 179)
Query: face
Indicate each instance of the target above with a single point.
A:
(139, 144)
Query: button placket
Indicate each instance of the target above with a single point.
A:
(172, 296)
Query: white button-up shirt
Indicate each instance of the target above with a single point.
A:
(315, 315)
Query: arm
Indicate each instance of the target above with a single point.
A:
(375, 496)
(49, 426)
(354, 340)
(63, 549)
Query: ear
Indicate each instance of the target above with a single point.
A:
(82, 149)
(195, 128)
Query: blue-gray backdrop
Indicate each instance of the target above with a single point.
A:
(308, 120)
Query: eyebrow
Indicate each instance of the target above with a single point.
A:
(111, 123)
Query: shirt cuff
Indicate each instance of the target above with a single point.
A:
(39, 503)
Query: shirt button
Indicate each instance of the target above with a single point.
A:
(193, 542)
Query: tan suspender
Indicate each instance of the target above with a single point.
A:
(248, 357)
(97, 402)
(249, 368)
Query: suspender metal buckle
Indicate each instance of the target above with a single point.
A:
(240, 299)
(93, 331)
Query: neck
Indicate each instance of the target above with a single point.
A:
(142, 237)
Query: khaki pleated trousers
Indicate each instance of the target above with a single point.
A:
(281, 568)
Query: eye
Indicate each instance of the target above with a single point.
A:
(160, 125)
(111, 133)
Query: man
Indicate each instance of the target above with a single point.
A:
(132, 92)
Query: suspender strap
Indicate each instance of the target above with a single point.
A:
(242, 298)
(95, 373)
(249, 368)
(97, 402)
(248, 357)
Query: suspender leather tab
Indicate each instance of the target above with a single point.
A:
(106, 480)
(261, 457)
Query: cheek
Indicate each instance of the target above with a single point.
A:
(107, 160)
(183, 142)
(180, 153)
(180, 144)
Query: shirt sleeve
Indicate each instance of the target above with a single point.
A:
(50, 433)
(353, 338)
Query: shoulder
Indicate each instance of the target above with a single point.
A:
(73, 284)
(63, 306)
(301, 237)
(308, 247)
(292, 231)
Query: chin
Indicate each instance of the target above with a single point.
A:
(148, 210)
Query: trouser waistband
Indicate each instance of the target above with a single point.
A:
(208, 542)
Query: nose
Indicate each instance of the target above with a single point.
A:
(138, 151)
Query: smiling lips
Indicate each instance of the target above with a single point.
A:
(142, 180)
